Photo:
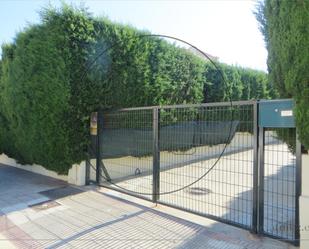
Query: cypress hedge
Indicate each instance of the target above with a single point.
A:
(284, 25)
(56, 73)
(240, 84)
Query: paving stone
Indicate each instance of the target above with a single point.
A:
(89, 219)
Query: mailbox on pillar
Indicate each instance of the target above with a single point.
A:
(276, 113)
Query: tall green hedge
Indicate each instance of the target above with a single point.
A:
(240, 84)
(49, 90)
(285, 26)
(35, 90)
(55, 74)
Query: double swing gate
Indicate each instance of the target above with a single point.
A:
(237, 162)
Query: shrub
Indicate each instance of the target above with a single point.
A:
(49, 90)
(284, 25)
(240, 84)
(56, 73)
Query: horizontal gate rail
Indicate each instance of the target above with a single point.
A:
(214, 104)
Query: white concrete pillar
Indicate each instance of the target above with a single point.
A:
(77, 174)
(304, 204)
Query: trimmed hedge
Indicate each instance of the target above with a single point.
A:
(54, 75)
(240, 84)
(49, 89)
(284, 25)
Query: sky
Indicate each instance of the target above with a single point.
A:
(223, 28)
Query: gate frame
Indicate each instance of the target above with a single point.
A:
(156, 156)
(260, 215)
(261, 178)
(258, 167)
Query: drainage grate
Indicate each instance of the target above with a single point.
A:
(199, 191)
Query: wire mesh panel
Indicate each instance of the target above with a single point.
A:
(203, 158)
(192, 171)
(126, 151)
(280, 183)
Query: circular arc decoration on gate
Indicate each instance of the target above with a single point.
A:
(228, 139)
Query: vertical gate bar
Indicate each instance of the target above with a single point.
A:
(255, 167)
(88, 158)
(98, 149)
(100, 165)
(260, 225)
(87, 176)
(297, 188)
(156, 156)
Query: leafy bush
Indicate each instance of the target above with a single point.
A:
(35, 89)
(56, 73)
(240, 84)
(284, 25)
(49, 90)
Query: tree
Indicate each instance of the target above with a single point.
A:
(285, 26)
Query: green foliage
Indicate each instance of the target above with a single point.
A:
(287, 135)
(59, 71)
(33, 98)
(240, 84)
(48, 88)
(284, 25)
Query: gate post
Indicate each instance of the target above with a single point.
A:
(100, 167)
(255, 166)
(260, 224)
(156, 155)
(298, 184)
(98, 146)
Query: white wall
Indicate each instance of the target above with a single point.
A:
(304, 204)
(76, 175)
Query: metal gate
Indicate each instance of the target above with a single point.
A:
(214, 159)
(279, 171)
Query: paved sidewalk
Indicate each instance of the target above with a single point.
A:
(92, 217)
(20, 188)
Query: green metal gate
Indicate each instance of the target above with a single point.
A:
(238, 162)
(279, 171)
